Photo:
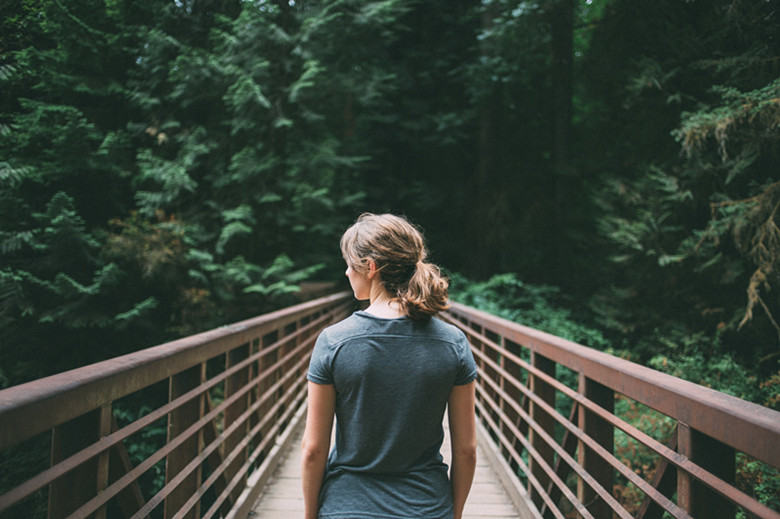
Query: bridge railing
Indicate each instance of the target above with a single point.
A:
(185, 429)
(564, 422)
(215, 410)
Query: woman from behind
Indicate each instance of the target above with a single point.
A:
(388, 374)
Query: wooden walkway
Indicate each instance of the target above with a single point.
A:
(489, 498)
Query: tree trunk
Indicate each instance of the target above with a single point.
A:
(562, 26)
(484, 223)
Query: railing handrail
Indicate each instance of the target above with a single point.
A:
(33, 407)
(700, 407)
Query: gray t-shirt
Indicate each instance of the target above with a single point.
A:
(392, 378)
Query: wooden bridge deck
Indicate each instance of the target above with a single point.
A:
(282, 496)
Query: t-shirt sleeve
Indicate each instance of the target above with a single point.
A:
(320, 365)
(468, 368)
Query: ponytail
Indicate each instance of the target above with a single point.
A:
(398, 249)
(426, 293)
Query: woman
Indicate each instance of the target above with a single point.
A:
(388, 373)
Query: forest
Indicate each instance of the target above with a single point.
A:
(605, 170)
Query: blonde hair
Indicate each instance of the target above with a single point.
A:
(398, 249)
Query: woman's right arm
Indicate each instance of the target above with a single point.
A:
(463, 441)
(316, 443)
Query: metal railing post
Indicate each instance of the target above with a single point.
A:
(67, 493)
(265, 362)
(714, 456)
(542, 418)
(233, 384)
(178, 421)
(289, 345)
(104, 429)
(604, 434)
(515, 372)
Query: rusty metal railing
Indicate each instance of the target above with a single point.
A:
(215, 411)
(556, 412)
(186, 429)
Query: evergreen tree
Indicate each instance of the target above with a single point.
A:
(166, 167)
(690, 191)
(64, 156)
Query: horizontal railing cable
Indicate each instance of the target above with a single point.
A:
(709, 479)
(241, 420)
(557, 448)
(634, 380)
(668, 505)
(256, 453)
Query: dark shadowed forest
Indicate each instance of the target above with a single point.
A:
(605, 170)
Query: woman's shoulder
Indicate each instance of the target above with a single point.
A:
(360, 324)
(346, 328)
(447, 330)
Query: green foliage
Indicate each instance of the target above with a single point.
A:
(52, 282)
(719, 372)
(163, 170)
(746, 122)
(537, 306)
(742, 120)
(758, 480)
(151, 439)
(639, 458)
(21, 462)
(279, 161)
(281, 277)
(688, 191)
(170, 178)
(167, 166)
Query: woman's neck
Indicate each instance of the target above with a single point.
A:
(383, 305)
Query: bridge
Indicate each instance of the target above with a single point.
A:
(208, 426)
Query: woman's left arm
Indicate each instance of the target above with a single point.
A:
(316, 443)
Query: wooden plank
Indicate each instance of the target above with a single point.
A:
(282, 497)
